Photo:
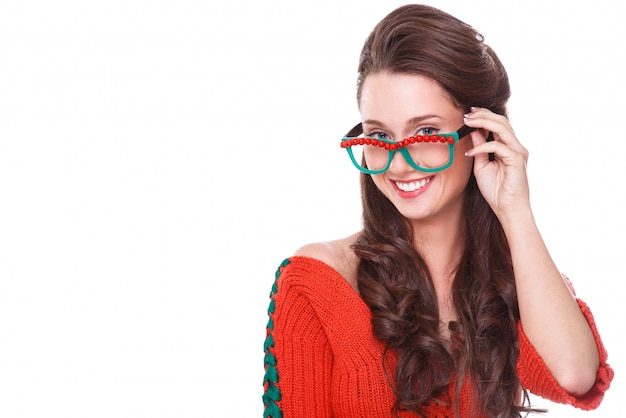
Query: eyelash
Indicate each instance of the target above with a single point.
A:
(418, 132)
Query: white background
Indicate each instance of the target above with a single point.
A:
(156, 166)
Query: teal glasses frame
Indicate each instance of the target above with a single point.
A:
(393, 147)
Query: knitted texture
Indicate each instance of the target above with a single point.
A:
(323, 360)
(271, 393)
(535, 375)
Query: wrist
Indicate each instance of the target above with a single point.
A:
(520, 217)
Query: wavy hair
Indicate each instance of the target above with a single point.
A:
(393, 278)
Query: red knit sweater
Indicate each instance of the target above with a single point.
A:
(322, 359)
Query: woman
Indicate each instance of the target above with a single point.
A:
(447, 303)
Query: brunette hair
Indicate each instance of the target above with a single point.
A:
(393, 278)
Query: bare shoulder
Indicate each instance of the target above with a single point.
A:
(338, 254)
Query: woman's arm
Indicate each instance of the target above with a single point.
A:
(549, 313)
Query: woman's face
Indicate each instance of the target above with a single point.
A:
(397, 106)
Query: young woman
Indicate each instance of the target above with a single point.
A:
(447, 302)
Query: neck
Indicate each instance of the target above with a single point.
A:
(441, 242)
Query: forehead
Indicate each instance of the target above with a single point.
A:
(403, 95)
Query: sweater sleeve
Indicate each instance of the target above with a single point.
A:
(298, 358)
(536, 377)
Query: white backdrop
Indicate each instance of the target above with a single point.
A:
(155, 168)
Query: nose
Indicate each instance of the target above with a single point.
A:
(399, 164)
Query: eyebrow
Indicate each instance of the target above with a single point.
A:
(413, 121)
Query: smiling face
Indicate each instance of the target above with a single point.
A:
(397, 106)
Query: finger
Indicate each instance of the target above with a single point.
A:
(500, 151)
(490, 138)
(498, 124)
(481, 137)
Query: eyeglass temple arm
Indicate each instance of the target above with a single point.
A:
(356, 131)
(465, 130)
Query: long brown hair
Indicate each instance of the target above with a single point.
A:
(393, 278)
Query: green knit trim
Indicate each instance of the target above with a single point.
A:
(271, 393)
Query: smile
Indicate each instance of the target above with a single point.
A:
(412, 186)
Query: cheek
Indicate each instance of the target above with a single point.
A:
(383, 186)
(378, 180)
(463, 146)
(459, 154)
(462, 167)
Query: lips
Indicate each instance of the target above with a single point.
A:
(412, 186)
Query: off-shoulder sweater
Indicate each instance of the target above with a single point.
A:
(323, 360)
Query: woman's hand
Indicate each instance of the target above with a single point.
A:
(502, 182)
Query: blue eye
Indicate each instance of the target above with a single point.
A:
(380, 135)
(429, 130)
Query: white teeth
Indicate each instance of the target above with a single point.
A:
(411, 187)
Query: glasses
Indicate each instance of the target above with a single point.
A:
(428, 153)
